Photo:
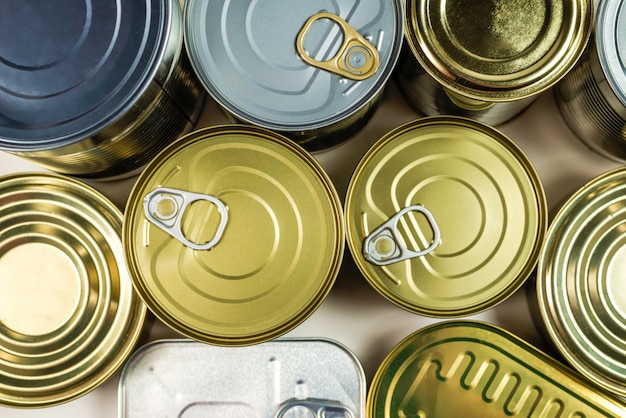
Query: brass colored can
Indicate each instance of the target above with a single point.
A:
(445, 216)
(473, 369)
(488, 60)
(69, 316)
(580, 289)
(95, 89)
(233, 235)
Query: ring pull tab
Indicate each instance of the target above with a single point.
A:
(315, 408)
(383, 245)
(164, 207)
(357, 58)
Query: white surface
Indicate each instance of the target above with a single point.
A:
(354, 314)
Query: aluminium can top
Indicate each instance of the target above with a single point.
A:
(610, 37)
(498, 50)
(70, 69)
(256, 58)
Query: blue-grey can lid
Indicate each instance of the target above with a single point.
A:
(611, 44)
(246, 56)
(68, 69)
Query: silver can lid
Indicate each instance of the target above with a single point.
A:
(68, 69)
(265, 62)
(611, 44)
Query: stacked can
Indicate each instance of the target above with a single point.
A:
(313, 71)
(99, 94)
(489, 60)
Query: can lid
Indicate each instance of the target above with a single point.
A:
(233, 235)
(68, 70)
(473, 369)
(287, 66)
(610, 36)
(445, 216)
(69, 316)
(580, 281)
(498, 50)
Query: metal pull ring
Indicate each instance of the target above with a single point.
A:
(383, 246)
(316, 408)
(169, 219)
(357, 58)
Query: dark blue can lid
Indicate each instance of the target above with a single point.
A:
(68, 69)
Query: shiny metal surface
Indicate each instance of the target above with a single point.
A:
(492, 223)
(580, 281)
(69, 316)
(489, 60)
(95, 89)
(278, 255)
(474, 369)
(281, 378)
(246, 55)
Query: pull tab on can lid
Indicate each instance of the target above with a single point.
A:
(356, 59)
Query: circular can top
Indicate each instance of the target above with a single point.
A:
(69, 69)
(233, 235)
(445, 216)
(610, 37)
(498, 50)
(273, 64)
(580, 281)
(69, 316)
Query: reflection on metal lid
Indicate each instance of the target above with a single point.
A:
(610, 36)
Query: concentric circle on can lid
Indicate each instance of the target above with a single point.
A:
(246, 55)
(610, 37)
(580, 281)
(498, 50)
(445, 216)
(233, 235)
(69, 316)
(69, 69)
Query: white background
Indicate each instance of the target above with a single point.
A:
(354, 314)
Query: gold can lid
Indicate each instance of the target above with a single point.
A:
(498, 50)
(581, 287)
(474, 369)
(445, 216)
(233, 235)
(69, 316)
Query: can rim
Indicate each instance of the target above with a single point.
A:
(607, 43)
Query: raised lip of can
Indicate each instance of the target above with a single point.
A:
(131, 335)
(607, 32)
(157, 344)
(479, 86)
(557, 372)
(556, 332)
(319, 127)
(542, 214)
(135, 201)
(137, 93)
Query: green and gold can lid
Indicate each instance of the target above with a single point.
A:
(474, 369)
(69, 316)
(498, 50)
(233, 235)
(445, 216)
(581, 282)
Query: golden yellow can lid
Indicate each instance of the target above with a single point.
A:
(445, 216)
(69, 316)
(233, 235)
(498, 50)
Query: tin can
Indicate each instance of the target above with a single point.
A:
(580, 281)
(445, 216)
(281, 378)
(488, 60)
(474, 369)
(592, 98)
(69, 316)
(97, 89)
(267, 212)
(313, 71)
